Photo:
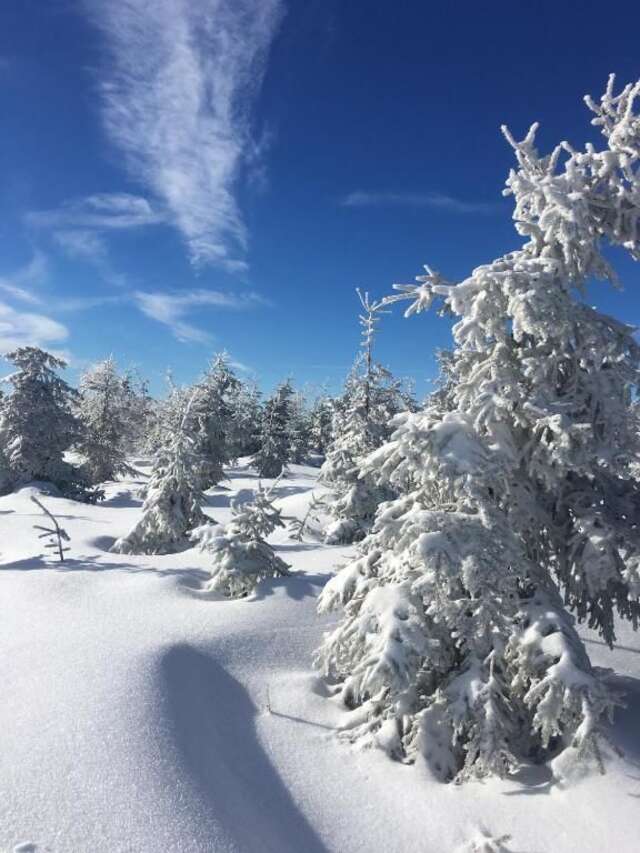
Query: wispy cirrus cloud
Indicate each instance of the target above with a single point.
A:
(98, 212)
(79, 227)
(22, 328)
(73, 304)
(80, 243)
(172, 309)
(19, 327)
(177, 92)
(20, 283)
(438, 201)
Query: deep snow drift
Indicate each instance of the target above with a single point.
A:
(139, 714)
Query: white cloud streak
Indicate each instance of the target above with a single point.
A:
(78, 227)
(20, 328)
(437, 201)
(177, 92)
(171, 309)
(82, 244)
(74, 304)
(98, 212)
(18, 285)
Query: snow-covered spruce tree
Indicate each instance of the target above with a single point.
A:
(320, 424)
(274, 452)
(104, 408)
(247, 414)
(38, 423)
(517, 506)
(241, 555)
(213, 409)
(165, 414)
(173, 495)
(139, 412)
(361, 423)
(299, 429)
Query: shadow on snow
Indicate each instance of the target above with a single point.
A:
(97, 564)
(213, 725)
(297, 586)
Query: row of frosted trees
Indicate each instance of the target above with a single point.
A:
(78, 438)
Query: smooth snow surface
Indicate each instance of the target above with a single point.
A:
(139, 715)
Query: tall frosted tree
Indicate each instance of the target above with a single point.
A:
(213, 410)
(274, 452)
(38, 423)
(299, 429)
(140, 414)
(320, 424)
(173, 495)
(247, 414)
(361, 423)
(518, 506)
(105, 407)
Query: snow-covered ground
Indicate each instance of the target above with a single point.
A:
(138, 715)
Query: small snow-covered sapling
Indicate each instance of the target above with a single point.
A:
(56, 533)
(241, 556)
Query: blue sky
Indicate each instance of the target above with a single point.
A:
(182, 177)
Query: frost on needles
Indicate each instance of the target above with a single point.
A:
(517, 502)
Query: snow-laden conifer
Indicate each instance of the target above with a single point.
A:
(212, 410)
(247, 415)
(320, 424)
(139, 412)
(274, 452)
(173, 495)
(517, 502)
(299, 429)
(105, 410)
(361, 423)
(241, 556)
(38, 423)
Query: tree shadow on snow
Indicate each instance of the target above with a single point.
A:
(122, 500)
(617, 647)
(103, 543)
(190, 577)
(217, 501)
(297, 586)
(625, 732)
(213, 722)
(294, 546)
(286, 491)
(533, 779)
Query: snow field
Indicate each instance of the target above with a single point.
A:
(140, 715)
